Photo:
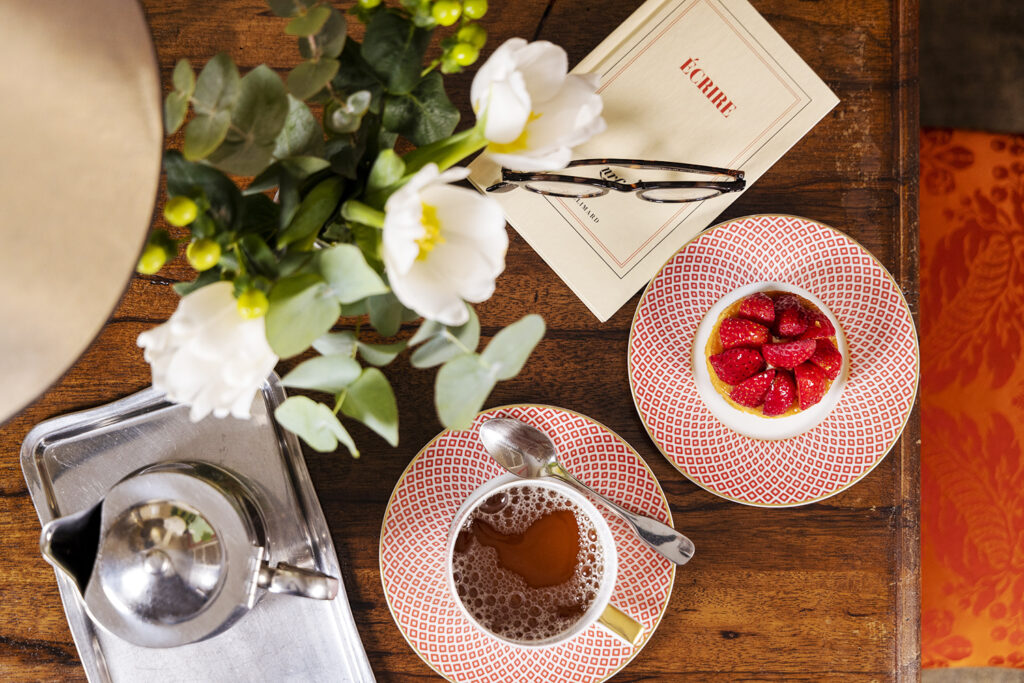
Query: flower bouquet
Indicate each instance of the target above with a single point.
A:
(353, 214)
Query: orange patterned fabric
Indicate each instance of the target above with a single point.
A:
(972, 399)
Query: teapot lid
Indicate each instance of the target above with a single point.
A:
(177, 559)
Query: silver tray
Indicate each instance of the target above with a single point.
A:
(71, 461)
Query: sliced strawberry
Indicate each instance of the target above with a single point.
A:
(750, 392)
(827, 357)
(735, 365)
(818, 325)
(788, 354)
(810, 384)
(790, 317)
(759, 308)
(736, 332)
(780, 395)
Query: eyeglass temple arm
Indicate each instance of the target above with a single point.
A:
(663, 165)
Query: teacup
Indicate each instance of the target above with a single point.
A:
(525, 614)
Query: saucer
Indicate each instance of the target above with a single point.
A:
(883, 361)
(415, 531)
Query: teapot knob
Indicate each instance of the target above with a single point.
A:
(291, 580)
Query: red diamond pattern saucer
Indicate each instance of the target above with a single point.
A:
(875, 403)
(415, 529)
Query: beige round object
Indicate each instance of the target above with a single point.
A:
(81, 134)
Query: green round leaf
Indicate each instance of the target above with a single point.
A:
(348, 274)
(508, 351)
(184, 79)
(462, 386)
(302, 308)
(336, 343)
(309, 22)
(447, 343)
(310, 77)
(387, 169)
(371, 401)
(204, 134)
(218, 86)
(380, 354)
(329, 40)
(175, 108)
(315, 424)
(301, 134)
(330, 374)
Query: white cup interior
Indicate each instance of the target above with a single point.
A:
(605, 539)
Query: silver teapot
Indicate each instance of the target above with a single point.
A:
(174, 553)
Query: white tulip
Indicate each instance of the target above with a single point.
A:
(442, 245)
(208, 356)
(534, 112)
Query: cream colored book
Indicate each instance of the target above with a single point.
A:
(698, 81)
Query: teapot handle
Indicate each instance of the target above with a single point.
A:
(292, 580)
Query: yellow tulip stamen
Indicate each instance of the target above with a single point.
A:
(520, 143)
(432, 232)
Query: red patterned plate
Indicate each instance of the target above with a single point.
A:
(415, 529)
(874, 405)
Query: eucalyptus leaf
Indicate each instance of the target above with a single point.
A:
(288, 8)
(313, 212)
(302, 308)
(386, 313)
(387, 169)
(257, 118)
(380, 354)
(369, 240)
(424, 116)
(309, 22)
(301, 135)
(295, 167)
(310, 77)
(175, 108)
(508, 351)
(448, 343)
(371, 401)
(346, 271)
(329, 40)
(204, 134)
(425, 331)
(462, 386)
(315, 424)
(330, 373)
(218, 86)
(336, 343)
(184, 78)
(394, 48)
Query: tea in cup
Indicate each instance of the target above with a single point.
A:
(533, 563)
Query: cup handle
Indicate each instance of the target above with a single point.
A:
(621, 624)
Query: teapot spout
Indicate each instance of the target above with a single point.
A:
(71, 544)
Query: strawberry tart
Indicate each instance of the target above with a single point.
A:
(770, 360)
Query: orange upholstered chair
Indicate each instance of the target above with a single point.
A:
(972, 399)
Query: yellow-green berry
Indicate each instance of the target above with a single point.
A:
(474, 9)
(153, 259)
(474, 34)
(368, 4)
(253, 303)
(464, 54)
(446, 12)
(203, 254)
(180, 211)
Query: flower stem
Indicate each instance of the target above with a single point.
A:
(355, 211)
(341, 399)
(447, 152)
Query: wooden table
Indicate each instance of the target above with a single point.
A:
(826, 592)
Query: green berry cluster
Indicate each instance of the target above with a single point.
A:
(204, 252)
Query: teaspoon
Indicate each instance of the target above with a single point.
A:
(527, 452)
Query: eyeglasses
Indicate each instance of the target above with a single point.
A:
(661, 191)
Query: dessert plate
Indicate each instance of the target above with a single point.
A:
(883, 357)
(415, 530)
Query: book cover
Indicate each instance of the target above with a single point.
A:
(697, 81)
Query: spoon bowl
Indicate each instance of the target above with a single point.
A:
(527, 452)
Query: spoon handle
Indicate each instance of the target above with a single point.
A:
(660, 537)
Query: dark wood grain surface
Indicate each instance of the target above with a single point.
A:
(826, 592)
